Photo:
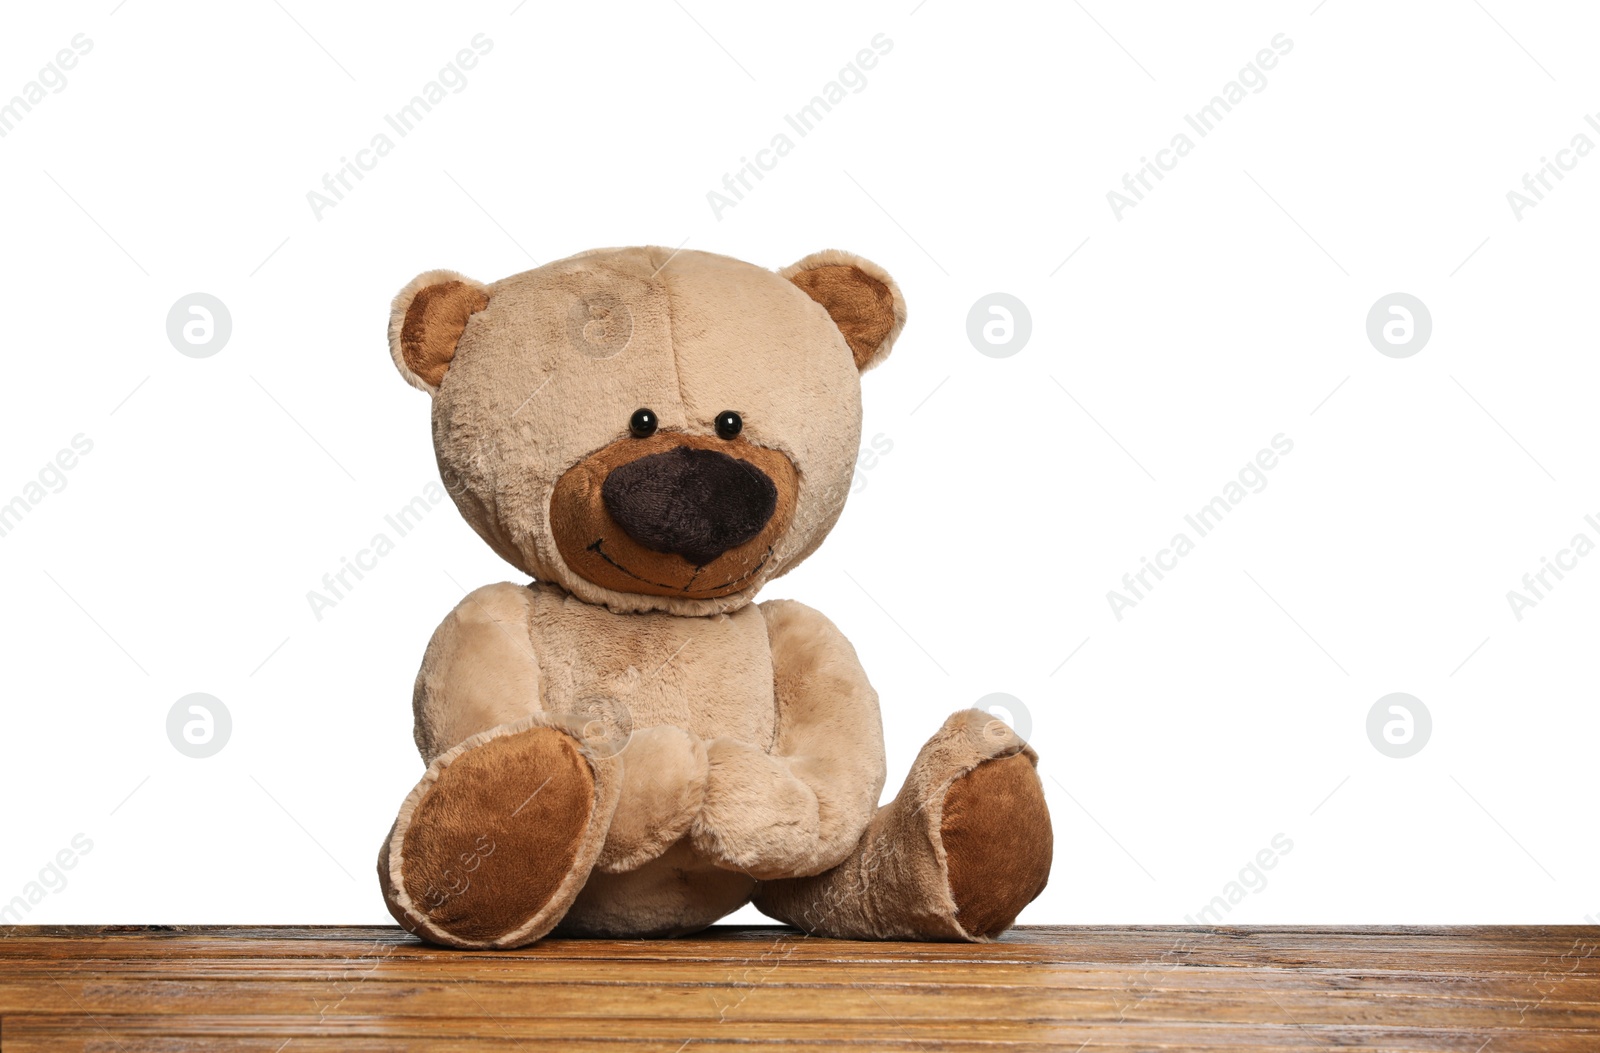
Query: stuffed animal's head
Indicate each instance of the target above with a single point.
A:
(649, 429)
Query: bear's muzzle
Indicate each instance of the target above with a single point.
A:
(674, 514)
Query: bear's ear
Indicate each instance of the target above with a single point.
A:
(860, 297)
(427, 320)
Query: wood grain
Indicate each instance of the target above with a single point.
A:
(1494, 990)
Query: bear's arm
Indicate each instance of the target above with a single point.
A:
(479, 670)
(802, 808)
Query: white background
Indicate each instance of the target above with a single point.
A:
(1224, 309)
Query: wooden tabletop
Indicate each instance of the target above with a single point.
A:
(1476, 990)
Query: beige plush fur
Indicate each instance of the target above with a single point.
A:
(732, 746)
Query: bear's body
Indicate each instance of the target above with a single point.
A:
(631, 673)
(637, 683)
(629, 745)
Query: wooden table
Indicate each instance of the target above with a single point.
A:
(1493, 990)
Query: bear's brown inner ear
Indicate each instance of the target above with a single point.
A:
(859, 304)
(433, 326)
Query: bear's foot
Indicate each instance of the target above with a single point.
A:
(495, 842)
(955, 856)
(995, 830)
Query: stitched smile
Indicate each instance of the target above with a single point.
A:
(598, 549)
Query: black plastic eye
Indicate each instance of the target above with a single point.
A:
(729, 424)
(643, 423)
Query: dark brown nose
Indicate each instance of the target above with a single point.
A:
(694, 503)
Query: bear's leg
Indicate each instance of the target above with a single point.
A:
(495, 842)
(955, 856)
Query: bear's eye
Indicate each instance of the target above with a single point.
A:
(729, 424)
(643, 423)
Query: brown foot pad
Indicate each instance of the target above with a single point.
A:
(491, 844)
(997, 843)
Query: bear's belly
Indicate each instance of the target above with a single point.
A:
(711, 676)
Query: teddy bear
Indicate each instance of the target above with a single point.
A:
(628, 744)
